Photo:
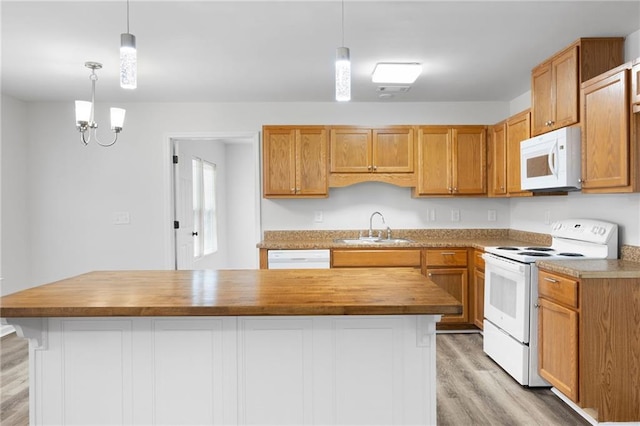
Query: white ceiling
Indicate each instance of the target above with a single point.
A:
(284, 50)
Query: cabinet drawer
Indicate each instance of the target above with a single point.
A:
(446, 257)
(375, 258)
(478, 261)
(557, 288)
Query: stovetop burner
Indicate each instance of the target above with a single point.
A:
(571, 254)
(509, 248)
(534, 253)
(539, 248)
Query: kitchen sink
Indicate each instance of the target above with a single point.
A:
(373, 241)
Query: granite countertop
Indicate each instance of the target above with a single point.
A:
(421, 238)
(603, 268)
(351, 291)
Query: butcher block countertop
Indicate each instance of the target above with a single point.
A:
(359, 291)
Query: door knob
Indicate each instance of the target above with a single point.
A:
(194, 234)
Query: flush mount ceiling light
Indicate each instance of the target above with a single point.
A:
(396, 72)
(343, 69)
(85, 122)
(128, 58)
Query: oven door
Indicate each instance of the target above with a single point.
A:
(506, 295)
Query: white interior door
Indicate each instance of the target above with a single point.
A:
(183, 184)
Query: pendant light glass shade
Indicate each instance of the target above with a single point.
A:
(117, 118)
(128, 61)
(343, 74)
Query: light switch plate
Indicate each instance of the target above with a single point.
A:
(121, 218)
(455, 215)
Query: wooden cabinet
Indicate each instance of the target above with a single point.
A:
(380, 258)
(504, 155)
(635, 85)
(558, 333)
(555, 83)
(451, 161)
(588, 338)
(610, 151)
(448, 269)
(294, 162)
(361, 154)
(478, 289)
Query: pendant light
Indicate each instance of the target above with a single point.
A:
(343, 69)
(128, 58)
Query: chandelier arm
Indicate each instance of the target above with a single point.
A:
(84, 140)
(107, 144)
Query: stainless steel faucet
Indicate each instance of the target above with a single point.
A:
(383, 222)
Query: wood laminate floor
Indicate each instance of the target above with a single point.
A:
(472, 389)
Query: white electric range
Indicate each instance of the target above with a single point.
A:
(511, 291)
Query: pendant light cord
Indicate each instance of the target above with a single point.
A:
(127, 16)
(342, 22)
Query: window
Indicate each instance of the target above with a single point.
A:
(205, 225)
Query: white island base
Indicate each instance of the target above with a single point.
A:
(292, 370)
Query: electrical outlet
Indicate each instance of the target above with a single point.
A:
(455, 215)
(492, 215)
(318, 216)
(121, 218)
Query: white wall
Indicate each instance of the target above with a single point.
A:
(14, 173)
(73, 190)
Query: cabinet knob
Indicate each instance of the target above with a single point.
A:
(449, 189)
(536, 305)
(369, 167)
(375, 167)
(580, 180)
(455, 189)
(429, 274)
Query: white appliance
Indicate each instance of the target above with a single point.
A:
(551, 161)
(511, 291)
(299, 259)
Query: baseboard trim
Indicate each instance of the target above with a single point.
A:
(586, 415)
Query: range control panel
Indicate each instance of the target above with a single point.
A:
(589, 230)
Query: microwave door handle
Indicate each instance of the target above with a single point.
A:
(552, 159)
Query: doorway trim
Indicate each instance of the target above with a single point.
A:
(168, 189)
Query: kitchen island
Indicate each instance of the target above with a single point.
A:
(352, 346)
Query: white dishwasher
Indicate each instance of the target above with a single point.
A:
(299, 259)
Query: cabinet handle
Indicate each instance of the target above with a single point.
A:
(551, 280)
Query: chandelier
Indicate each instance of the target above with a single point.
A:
(85, 122)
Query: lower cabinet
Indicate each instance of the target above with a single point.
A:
(478, 289)
(587, 341)
(380, 258)
(448, 269)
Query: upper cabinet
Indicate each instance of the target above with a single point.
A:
(555, 83)
(635, 85)
(504, 155)
(361, 154)
(294, 162)
(451, 160)
(610, 148)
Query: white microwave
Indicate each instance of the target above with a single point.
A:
(551, 161)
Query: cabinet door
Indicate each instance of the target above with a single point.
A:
(393, 150)
(455, 282)
(558, 347)
(565, 89)
(469, 156)
(478, 299)
(605, 134)
(434, 161)
(541, 98)
(518, 129)
(311, 156)
(350, 150)
(635, 84)
(279, 161)
(497, 161)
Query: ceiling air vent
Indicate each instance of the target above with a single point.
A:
(393, 89)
